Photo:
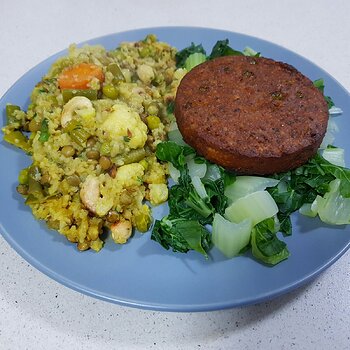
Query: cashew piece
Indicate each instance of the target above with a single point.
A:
(74, 104)
(90, 193)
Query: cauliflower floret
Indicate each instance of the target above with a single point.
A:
(155, 173)
(121, 231)
(145, 73)
(158, 193)
(130, 174)
(143, 218)
(124, 123)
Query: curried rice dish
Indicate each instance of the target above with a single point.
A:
(102, 133)
(91, 129)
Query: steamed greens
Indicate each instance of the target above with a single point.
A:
(205, 195)
(193, 55)
(186, 226)
(210, 206)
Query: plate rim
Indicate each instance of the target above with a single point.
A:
(58, 277)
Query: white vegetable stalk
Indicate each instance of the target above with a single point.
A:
(175, 136)
(213, 172)
(334, 156)
(335, 111)
(248, 51)
(308, 210)
(329, 137)
(173, 172)
(333, 208)
(245, 185)
(230, 238)
(196, 169)
(199, 187)
(256, 206)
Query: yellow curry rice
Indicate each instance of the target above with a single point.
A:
(93, 162)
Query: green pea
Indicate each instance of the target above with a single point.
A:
(68, 151)
(91, 142)
(93, 154)
(73, 180)
(105, 163)
(110, 91)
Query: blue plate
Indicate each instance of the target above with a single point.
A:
(143, 274)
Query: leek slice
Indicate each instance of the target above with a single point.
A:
(245, 185)
(256, 206)
(230, 238)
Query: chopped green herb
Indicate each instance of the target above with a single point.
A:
(44, 131)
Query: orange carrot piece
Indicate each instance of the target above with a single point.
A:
(79, 76)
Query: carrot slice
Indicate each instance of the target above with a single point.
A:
(79, 76)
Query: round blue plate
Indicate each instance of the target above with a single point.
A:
(141, 273)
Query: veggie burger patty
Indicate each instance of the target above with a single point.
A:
(252, 115)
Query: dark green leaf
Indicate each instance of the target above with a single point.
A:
(182, 55)
(265, 244)
(285, 224)
(341, 173)
(170, 107)
(184, 201)
(171, 152)
(221, 48)
(181, 235)
(319, 83)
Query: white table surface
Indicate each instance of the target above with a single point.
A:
(38, 313)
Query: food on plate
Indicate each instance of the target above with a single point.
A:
(103, 138)
(252, 115)
(91, 129)
(210, 206)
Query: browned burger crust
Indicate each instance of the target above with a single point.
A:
(251, 115)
